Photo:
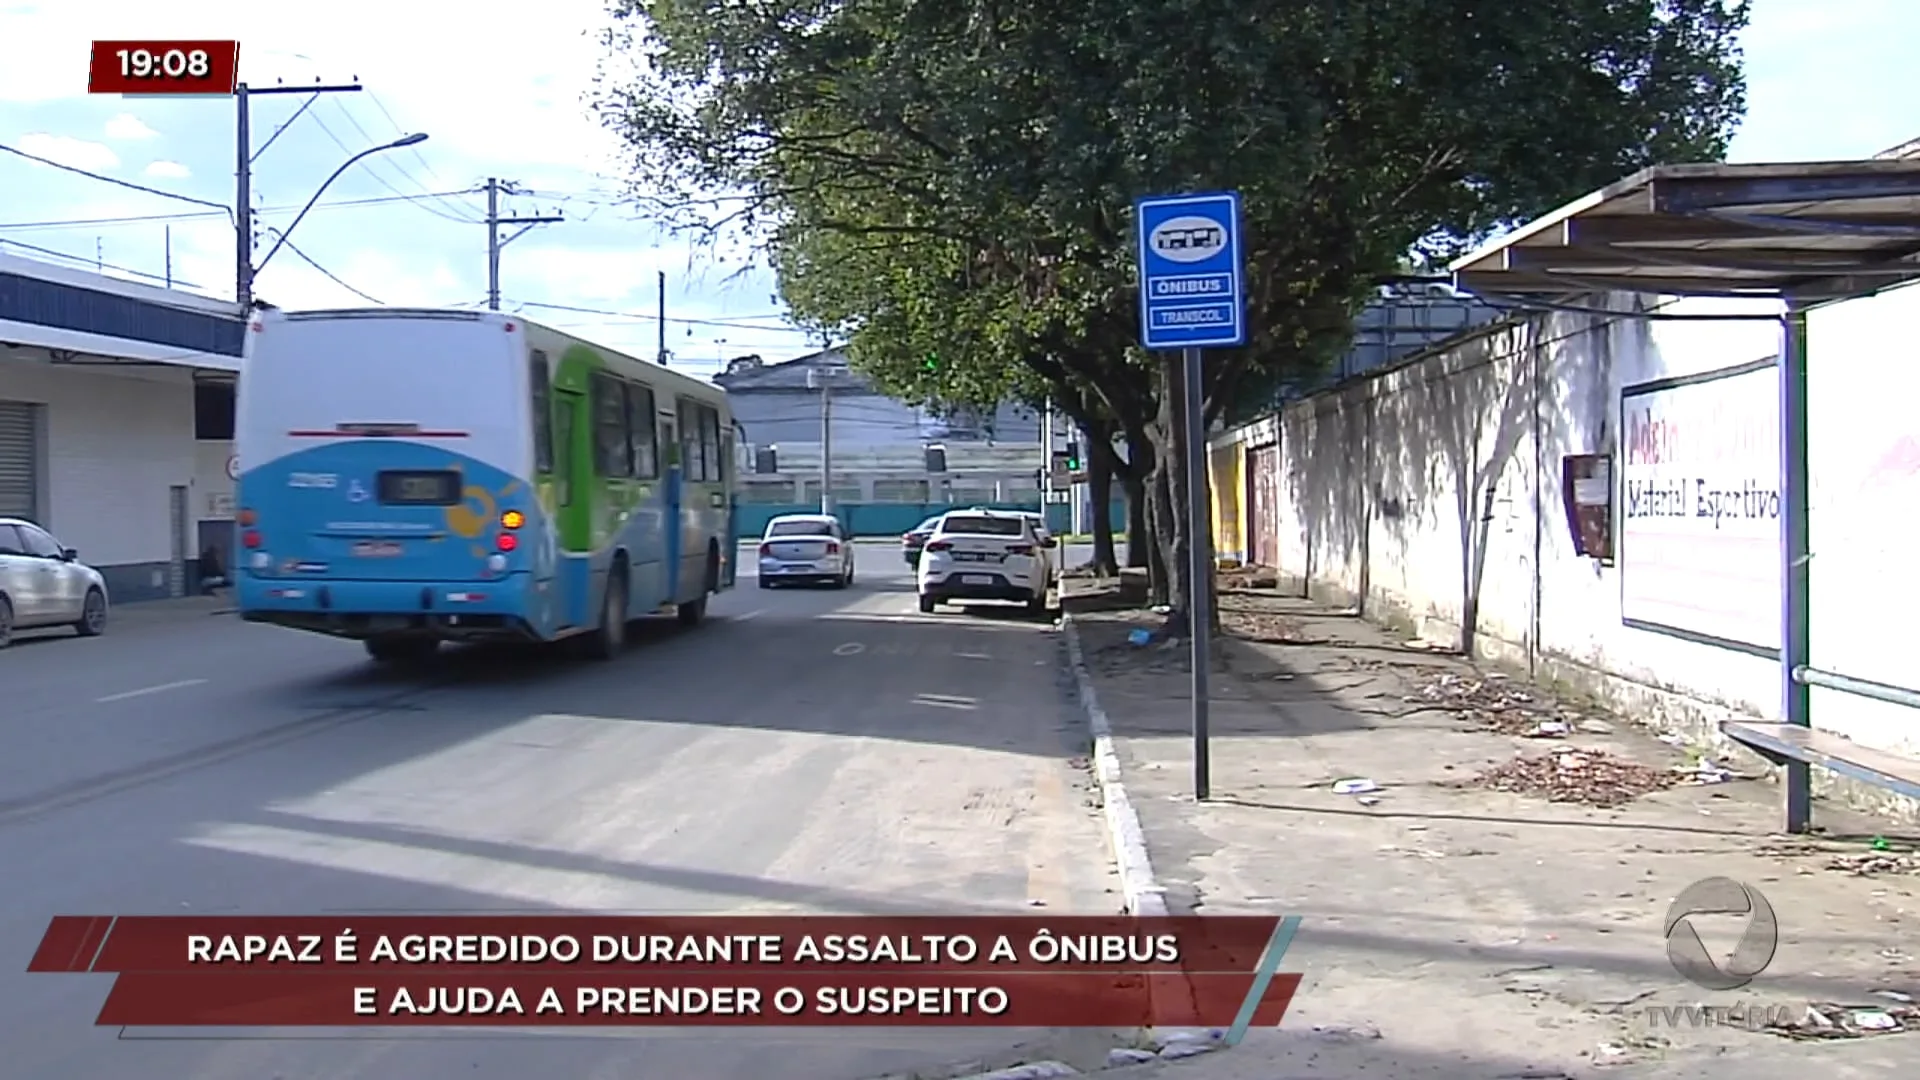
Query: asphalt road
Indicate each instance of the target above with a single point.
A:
(804, 750)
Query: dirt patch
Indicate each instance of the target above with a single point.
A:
(1826, 1020)
(1493, 702)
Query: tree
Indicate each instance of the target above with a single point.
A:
(1357, 131)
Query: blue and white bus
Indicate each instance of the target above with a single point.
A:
(409, 477)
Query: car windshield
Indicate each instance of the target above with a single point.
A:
(798, 528)
(927, 526)
(984, 526)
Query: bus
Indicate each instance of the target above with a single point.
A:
(413, 477)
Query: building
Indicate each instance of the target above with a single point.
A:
(101, 380)
(1599, 488)
(887, 454)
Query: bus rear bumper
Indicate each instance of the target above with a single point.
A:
(448, 610)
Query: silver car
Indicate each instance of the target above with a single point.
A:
(44, 584)
(806, 549)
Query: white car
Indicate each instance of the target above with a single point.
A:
(986, 555)
(44, 584)
(808, 549)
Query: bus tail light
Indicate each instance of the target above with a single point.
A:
(507, 542)
(247, 517)
(250, 538)
(512, 519)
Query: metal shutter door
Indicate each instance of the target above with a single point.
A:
(18, 469)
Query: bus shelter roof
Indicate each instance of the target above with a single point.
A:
(1805, 232)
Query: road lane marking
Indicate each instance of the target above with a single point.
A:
(946, 701)
(851, 648)
(145, 690)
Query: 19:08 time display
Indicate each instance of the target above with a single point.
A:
(164, 67)
(172, 64)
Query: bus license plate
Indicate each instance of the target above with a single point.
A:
(376, 549)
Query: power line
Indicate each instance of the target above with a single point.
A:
(330, 275)
(191, 215)
(116, 182)
(735, 325)
(383, 181)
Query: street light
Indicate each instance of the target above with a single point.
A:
(406, 140)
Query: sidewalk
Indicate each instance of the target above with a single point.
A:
(1460, 926)
(144, 612)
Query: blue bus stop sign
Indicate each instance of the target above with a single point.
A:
(1192, 289)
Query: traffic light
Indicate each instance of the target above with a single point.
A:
(1073, 456)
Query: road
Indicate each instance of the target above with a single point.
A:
(809, 751)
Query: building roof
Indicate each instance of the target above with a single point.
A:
(1808, 231)
(75, 311)
(788, 374)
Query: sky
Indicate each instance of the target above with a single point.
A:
(507, 97)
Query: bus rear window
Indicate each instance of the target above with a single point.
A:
(435, 488)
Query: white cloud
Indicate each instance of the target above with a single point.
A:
(68, 150)
(129, 127)
(168, 170)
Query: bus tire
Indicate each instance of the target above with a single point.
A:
(694, 611)
(609, 639)
(400, 650)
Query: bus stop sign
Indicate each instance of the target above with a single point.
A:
(1192, 288)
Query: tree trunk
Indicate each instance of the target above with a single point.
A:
(1178, 496)
(1100, 470)
(1133, 479)
(1169, 490)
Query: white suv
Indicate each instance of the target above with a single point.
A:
(986, 555)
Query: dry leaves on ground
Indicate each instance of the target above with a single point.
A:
(1876, 863)
(1588, 777)
(1497, 703)
(1247, 577)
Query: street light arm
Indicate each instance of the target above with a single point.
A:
(409, 140)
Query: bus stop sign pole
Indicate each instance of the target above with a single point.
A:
(1193, 297)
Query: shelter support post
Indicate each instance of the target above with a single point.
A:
(1795, 553)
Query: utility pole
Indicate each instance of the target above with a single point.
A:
(821, 378)
(495, 188)
(663, 318)
(243, 176)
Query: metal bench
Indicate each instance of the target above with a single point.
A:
(1797, 747)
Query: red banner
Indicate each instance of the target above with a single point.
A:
(492, 970)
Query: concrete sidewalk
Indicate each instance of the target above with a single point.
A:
(1460, 926)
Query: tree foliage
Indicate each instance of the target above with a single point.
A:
(950, 184)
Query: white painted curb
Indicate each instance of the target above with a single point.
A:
(1142, 892)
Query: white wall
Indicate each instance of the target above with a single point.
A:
(1432, 493)
(1863, 382)
(117, 441)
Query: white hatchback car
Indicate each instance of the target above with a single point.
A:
(44, 584)
(986, 555)
(807, 549)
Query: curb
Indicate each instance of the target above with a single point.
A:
(1142, 891)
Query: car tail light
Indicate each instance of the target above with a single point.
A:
(766, 549)
(512, 519)
(833, 548)
(250, 538)
(507, 542)
(906, 538)
(1019, 549)
(939, 545)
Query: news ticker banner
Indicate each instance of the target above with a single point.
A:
(154, 67)
(749, 971)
